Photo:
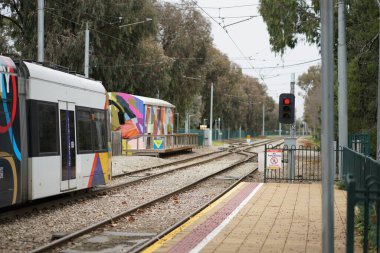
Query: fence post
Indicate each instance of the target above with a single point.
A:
(265, 163)
(350, 214)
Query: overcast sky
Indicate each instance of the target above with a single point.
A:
(249, 46)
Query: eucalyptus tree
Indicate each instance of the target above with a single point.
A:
(185, 37)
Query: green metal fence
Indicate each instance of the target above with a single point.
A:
(363, 201)
(219, 135)
(301, 164)
(360, 143)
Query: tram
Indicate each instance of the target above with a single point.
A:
(53, 132)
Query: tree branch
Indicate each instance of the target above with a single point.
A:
(12, 20)
(14, 5)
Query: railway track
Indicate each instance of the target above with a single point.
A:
(125, 179)
(233, 146)
(247, 156)
(103, 204)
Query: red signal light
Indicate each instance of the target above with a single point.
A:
(286, 101)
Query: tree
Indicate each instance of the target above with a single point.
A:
(288, 19)
(310, 82)
(184, 35)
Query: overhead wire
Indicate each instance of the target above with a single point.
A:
(285, 66)
(91, 29)
(236, 45)
(86, 13)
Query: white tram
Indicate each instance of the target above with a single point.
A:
(53, 132)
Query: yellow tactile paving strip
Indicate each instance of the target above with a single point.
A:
(279, 218)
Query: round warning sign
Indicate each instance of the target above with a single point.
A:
(274, 157)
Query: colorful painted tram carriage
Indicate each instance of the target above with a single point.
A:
(137, 116)
(53, 132)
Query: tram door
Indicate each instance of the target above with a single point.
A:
(68, 146)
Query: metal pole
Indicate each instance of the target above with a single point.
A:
(219, 129)
(263, 130)
(211, 103)
(187, 123)
(342, 79)
(279, 129)
(177, 121)
(327, 128)
(86, 51)
(40, 31)
(292, 82)
(378, 99)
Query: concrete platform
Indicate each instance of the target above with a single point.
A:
(257, 217)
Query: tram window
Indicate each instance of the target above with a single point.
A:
(84, 137)
(43, 128)
(47, 119)
(91, 130)
(99, 130)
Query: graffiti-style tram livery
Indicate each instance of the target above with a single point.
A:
(53, 132)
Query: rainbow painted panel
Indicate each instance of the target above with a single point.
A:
(133, 110)
(100, 170)
(140, 118)
(10, 155)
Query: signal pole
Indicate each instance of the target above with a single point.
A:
(292, 82)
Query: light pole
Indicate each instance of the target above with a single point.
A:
(263, 130)
(211, 104)
(139, 22)
(378, 101)
(176, 113)
(87, 41)
(189, 126)
(219, 128)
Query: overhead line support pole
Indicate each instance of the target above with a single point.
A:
(211, 105)
(328, 171)
(40, 31)
(86, 51)
(378, 98)
(342, 79)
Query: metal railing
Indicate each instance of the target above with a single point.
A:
(297, 164)
(363, 201)
(160, 142)
(360, 143)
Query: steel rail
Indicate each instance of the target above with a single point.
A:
(244, 149)
(88, 229)
(185, 160)
(187, 218)
(81, 194)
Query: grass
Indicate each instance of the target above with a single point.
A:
(218, 143)
(314, 140)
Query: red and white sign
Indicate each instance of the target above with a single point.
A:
(274, 158)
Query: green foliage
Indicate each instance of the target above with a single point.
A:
(287, 19)
(359, 225)
(340, 185)
(171, 56)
